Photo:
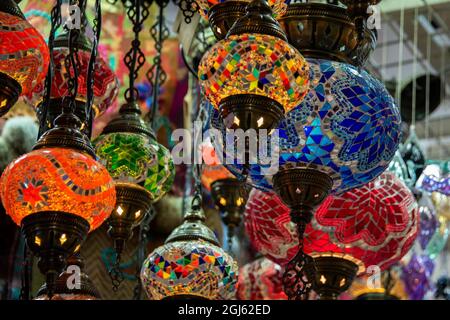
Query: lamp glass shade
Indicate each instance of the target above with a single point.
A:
(137, 159)
(197, 269)
(347, 127)
(375, 224)
(61, 180)
(24, 55)
(254, 64)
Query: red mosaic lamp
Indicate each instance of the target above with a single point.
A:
(372, 225)
(24, 55)
(105, 82)
(261, 280)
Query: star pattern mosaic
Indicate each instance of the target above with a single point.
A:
(134, 158)
(195, 268)
(372, 225)
(348, 127)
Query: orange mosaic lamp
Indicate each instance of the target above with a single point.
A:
(254, 76)
(24, 55)
(57, 193)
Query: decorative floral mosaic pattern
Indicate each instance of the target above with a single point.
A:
(195, 268)
(24, 54)
(254, 64)
(106, 84)
(372, 225)
(261, 280)
(278, 6)
(134, 158)
(347, 127)
(57, 179)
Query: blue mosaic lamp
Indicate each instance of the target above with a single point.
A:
(343, 135)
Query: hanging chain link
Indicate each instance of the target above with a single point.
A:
(144, 229)
(299, 272)
(188, 8)
(137, 12)
(156, 74)
(116, 274)
(97, 29)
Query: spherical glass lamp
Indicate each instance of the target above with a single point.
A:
(24, 55)
(222, 14)
(342, 136)
(190, 265)
(254, 76)
(345, 229)
(105, 88)
(261, 280)
(57, 193)
(142, 170)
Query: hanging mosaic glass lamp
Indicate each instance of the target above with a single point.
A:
(222, 14)
(417, 276)
(413, 155)
(191, 264)
(82, 290)
(435, 178)
(254, 76)
(142, 169)
(343, 135)
(261, 280)
(345, 236)
(105, 88)
(58, 192)
(24, 55)
(228, 193)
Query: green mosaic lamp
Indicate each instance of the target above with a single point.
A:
(142, 169)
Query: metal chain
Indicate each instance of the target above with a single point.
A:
(97, 28)
(116, 274)
(188, 8)
(156, 74)
(137, 12)
(55, 24)
(72, 63)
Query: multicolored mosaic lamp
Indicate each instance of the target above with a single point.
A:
(254, 76)
(346, 234)
(417, 276)
(24, 55)
(190, 265)
(106, 84)
(57, 193)
(435, 178)
(343, 135)
(261, 280)
(222, 14)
